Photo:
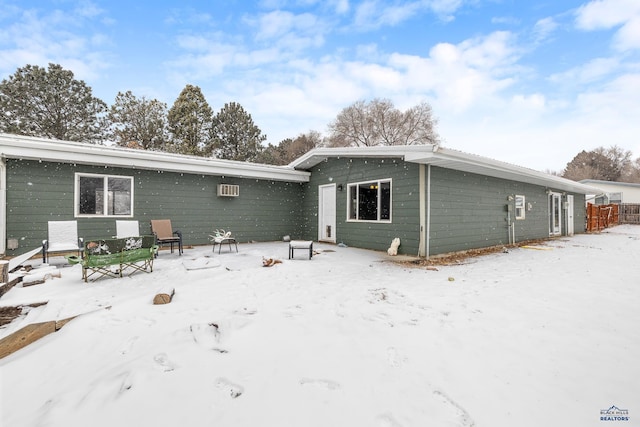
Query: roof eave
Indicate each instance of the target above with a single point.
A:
(453, 159)
(29, 148)
(319, 155)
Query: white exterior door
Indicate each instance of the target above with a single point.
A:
(555, 214)
(570, 229)
(327, 213)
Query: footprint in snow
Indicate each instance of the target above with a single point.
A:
(460, 413)
(293, 311)
(324, 384)
(387, 420)
(228, 387)
(207, 335)
(163, 363)
(246, 311)
(394, 357)
(128, 345)
(127, 380)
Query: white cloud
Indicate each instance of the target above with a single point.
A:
(469, 76)
(593, 70)
(373, 14)
(628, 37)
(507, 20)
(445, 8)
(529, 131)
(607, 14)
(291, 32)
(532, 103)
(543, 28)
(603, 14)
(39, 39)
(341, 6)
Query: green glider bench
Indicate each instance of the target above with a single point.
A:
(100, 256)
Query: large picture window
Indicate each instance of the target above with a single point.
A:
(103, 195)
(370, 201)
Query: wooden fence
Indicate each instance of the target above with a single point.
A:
(629, 213)
(600, 217)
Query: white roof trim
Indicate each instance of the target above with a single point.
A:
(450, 159)
(318, 155)
(610, 183)
(31, 148)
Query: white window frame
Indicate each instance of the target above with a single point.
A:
(377, 182)
(520, 208)
(105, 212)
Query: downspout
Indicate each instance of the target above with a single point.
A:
(422, 210)
(3, 207)
(428, 239)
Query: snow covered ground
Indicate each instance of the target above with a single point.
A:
(524, 338)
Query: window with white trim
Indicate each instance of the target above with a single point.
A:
(520, 207)
(103, 195)
(370, 201)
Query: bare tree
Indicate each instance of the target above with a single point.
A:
(606, 164)
(378, 122)
(290, 149)
(632, 174)
(619, 160)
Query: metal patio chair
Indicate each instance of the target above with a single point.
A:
(164, 233)
(127, 229)
(62, 237)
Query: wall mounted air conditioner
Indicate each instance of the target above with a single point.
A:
(228, 190)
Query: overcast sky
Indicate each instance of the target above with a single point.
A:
(527, 82)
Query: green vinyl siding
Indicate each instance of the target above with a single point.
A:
(370, 235)
(469, 211)
(38, 192)
(579, 213)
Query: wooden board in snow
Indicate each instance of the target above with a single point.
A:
(16, 262)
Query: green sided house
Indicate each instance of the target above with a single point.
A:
(436, 200)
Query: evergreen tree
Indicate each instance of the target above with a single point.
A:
(139, 123)
(234, 136)
(50, 103)
(190, 120)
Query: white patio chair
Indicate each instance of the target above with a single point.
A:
(62, 237)
(127, 229)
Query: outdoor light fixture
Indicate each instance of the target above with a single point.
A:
(340, 187)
